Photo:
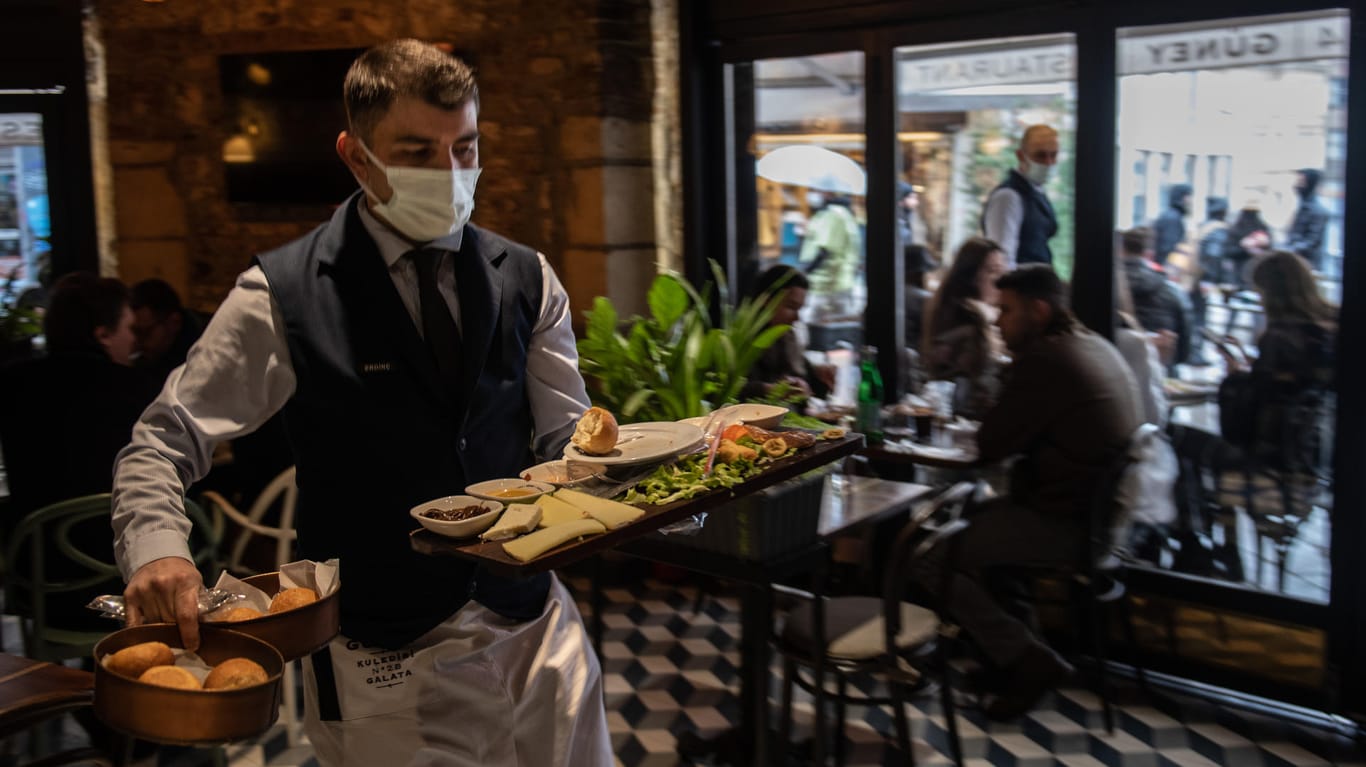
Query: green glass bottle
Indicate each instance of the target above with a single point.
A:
(870, 396)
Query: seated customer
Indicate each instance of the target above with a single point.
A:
(959, 341)
(919, 262)
(1067, 408)
(165, 329)
(1158, 304)
(65, 416)
(784, 365)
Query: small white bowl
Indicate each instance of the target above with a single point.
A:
(755, 414)
(560, 473)
(510, 490)
(464, 528)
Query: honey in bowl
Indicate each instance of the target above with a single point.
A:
(514, 492)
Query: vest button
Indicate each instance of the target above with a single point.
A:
(461, 445)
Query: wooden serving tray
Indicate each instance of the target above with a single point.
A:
(493, 558)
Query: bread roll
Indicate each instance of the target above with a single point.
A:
(596, 432)
(235, 672)
(170, 676)
(237, 614)
(290, 599)
(133, 661)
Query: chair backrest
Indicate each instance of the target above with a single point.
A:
(1109, 515)
(933, 523)
(48, 562)
(281, 490)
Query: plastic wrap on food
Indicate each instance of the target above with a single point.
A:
(686, 526)
(112, 605)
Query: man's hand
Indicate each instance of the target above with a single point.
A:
(166, 589)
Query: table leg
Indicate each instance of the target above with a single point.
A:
(756, 626)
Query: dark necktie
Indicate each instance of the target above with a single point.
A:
(438, 327)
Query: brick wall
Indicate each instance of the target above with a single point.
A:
(565, 116)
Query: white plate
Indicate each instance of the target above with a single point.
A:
(756, 414)
(642, 443)
(560, 473)
(463, 528)
(510, 490)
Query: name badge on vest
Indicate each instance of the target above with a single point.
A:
(376, 367)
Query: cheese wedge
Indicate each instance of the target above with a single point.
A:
(518, 519)
(609, 512)
(557, 512)
(532, 545)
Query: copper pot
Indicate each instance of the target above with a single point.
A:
(188, 717)
(298, 632)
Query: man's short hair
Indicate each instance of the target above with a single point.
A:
(157, 295)
(1137, 241)
(1036, 130)
(779, 277)
(408, 68)
(1038, 282)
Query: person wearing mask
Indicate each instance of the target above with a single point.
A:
(906, 202)
(165, 329)
(960, 342)
(831, 253)
(1169, 230)
(1306, 234)
(1067, 409)
(65, 416)
(1018, 215)
(414, 353)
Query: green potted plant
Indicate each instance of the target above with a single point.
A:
(675, 363)
(18, 323)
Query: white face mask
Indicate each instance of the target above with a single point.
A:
(1037, 172)
(427, 203)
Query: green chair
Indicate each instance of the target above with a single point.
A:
(31, 584)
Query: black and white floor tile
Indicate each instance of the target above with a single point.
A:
(668, 670)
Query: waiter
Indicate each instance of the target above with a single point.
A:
(1018, 215)
(412, 353)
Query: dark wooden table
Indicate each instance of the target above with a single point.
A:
(32, 691)
(848, 504)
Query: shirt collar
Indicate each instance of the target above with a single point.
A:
(393, 246)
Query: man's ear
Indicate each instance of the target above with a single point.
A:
(348, 149)
(1042, 311)
(175, 320)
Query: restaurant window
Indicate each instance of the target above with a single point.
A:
(961, 110)
(25, 231)
(1250, 117)
(809, 147)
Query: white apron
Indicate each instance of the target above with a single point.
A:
(476, 691)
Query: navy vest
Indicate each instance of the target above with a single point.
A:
(375, 434)
(1038, 225)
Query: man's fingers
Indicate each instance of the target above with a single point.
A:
(187, 617)
(132, 616)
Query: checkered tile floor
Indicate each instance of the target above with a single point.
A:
(668, 671)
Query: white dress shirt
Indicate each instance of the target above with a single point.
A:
(239, 374)
(1002, 219)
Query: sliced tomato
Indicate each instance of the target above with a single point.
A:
(735, 431)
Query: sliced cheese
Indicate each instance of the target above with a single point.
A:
(557, 512)
(532, 545)
(609, 512)
(518, 519)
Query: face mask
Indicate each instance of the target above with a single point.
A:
(427, 203)
(1037, 172)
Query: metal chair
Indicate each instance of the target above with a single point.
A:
(282, 490)
(32, 579)
(1096, 582)
(285, 492)
(888, 637)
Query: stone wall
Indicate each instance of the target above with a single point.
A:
(566, 96)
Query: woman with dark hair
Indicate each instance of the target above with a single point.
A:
(1272, 405)
(66, 415)
(960, 341)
